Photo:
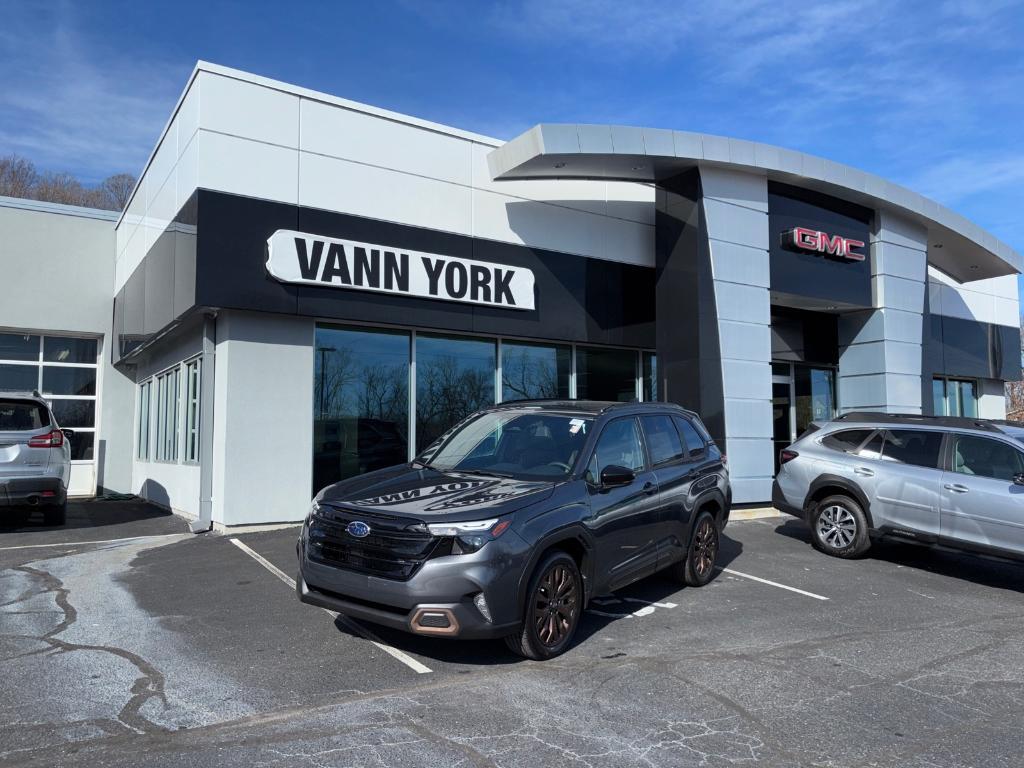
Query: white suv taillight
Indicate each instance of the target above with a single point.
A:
(54, 439)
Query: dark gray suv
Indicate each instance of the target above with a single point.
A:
(511, 521)
(954, 481)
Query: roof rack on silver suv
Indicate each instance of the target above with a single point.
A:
(963, 422)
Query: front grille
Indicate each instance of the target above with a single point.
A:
(394, 549)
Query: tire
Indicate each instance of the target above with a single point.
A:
(699, 566)
(549, 623)
(839, 527)
(56, 515)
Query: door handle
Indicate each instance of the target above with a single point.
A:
(649, 488)
(956, 487)
(864, 471)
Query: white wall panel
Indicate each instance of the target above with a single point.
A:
(745, 303)
(188, 115)
(244, 167)
(187, 172)
(736, 224)
(746, 380)
(513, 220)
(343, 133)
(379, 193)
(244, 109)
(747, 418)
(745, 341)
(162, 165)
(739, 264)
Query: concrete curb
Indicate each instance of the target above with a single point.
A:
(755, 513)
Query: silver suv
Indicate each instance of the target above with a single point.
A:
(940, 480)
(35, 459)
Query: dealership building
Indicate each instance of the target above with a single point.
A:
(303, 288)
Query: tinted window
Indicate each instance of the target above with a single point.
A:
(986, 458)
(662, 439)
(58, 349)
(21, 416)
(454, 377)
(18, 378)
(618, 445)
(605, 374)
(360, 402)
(847, 441)
(531, 371)
(694, 442)
(69, 381)
(912, 446)
(15, 346)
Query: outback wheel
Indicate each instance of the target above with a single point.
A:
(699, 566)
(553, 606)
(839, 527)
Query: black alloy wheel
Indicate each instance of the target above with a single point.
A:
(699, 566)
(553, 608)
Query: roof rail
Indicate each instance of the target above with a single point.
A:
(963, 422)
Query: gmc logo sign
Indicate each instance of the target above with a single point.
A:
(836, 246)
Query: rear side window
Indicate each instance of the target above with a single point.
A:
(847, 440)
(912, 446)
(694, 442)
(662, 440)
(22, 416)
(986, 458)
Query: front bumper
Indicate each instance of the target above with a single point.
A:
(443, 586)
(39, 491)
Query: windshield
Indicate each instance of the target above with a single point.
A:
(514, 444)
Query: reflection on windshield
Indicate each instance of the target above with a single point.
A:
(515, 444)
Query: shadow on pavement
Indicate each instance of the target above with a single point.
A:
(90, 519)
(985, 570)
(658, 588)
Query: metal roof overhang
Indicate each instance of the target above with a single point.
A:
(956, 245)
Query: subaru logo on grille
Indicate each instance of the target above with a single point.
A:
(358, 528)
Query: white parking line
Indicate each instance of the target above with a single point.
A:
(773, 583)
(85, 543)
(403, 657)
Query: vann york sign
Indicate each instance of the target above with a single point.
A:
(835, 246)
(297, 257)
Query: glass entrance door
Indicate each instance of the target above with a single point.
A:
(800, 394)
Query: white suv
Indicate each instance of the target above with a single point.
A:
(35, 459)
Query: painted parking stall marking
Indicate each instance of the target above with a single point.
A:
(648, 607)
(758, 579)
(360, 630)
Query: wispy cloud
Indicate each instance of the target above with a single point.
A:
(75, 104)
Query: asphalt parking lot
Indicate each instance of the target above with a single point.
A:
(127, 641)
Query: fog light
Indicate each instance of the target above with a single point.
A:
(481, 605)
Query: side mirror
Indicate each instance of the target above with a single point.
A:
(614, 476)
(1018, 479)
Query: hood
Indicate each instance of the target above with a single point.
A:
(427, 494)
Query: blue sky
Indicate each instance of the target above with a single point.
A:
(929, 94)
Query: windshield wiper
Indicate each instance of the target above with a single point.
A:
(484, 472)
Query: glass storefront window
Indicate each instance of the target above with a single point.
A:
(454, 377)
(814, 390)
(360, 402)
(15, 346)
(533, 371)
(650, 374)
(955, 397)
(606, 374)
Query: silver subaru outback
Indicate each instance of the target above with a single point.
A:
(939, 480)
(35, 459)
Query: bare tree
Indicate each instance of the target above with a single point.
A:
(59, 188)
(17, 176)
(1015, 392)
(117, 189)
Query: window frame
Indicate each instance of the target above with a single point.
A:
(585, 467)
(689, 455)
(192, 411)
(168, 416)
(682, 459)
(946, 381)
(949, 450)
(40, 364)
(143, 427)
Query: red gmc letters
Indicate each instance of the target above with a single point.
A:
(803, 239)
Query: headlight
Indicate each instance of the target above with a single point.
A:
(470, 536)
(314, 511)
